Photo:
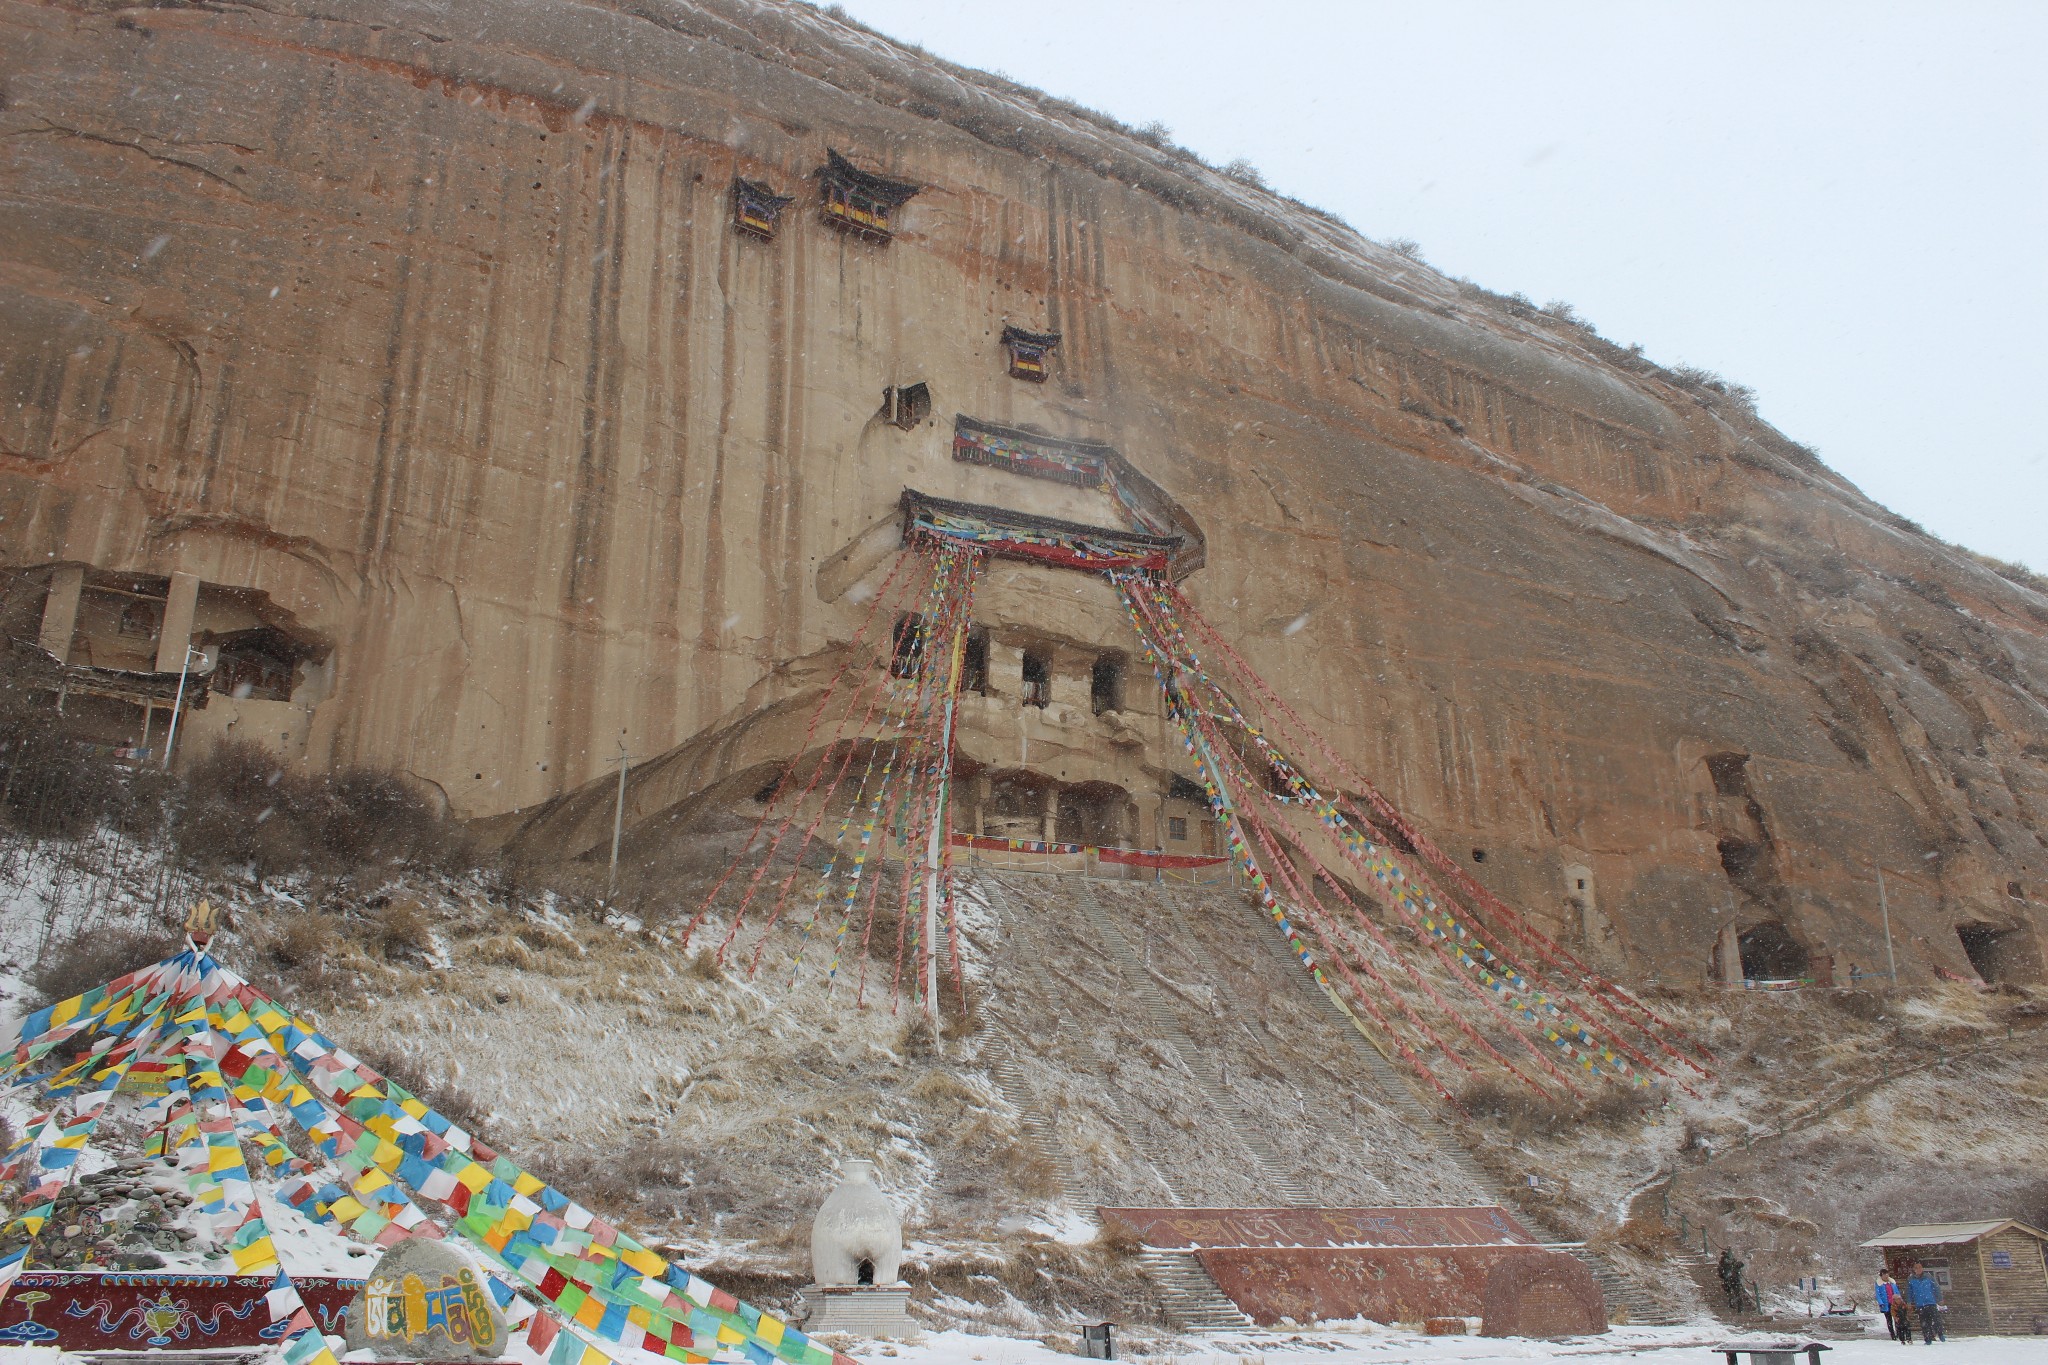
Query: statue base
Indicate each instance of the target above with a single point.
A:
(875, 1311)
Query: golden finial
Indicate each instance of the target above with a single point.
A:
(199, 923)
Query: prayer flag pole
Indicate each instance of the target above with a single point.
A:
(935, 841)
(611, 881)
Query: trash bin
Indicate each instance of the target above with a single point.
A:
(1095, 1342)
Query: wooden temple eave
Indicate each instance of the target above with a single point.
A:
(1010, 534)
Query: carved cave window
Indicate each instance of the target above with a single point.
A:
(1106, 683)
(259, 665)
(1037, 679)
(906, 649)
(974, 667)
(142, 620)
(1177, 828)
(907, 405)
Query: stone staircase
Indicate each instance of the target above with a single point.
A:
(1165, 1029)
(1190, 1295)
(999, 1049)
(1393, 1087)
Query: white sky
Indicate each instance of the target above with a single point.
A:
(1844, 206)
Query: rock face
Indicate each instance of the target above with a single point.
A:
(410, 362)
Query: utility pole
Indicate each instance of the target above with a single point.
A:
(611, 882)
(177, 704)
(1885, 908)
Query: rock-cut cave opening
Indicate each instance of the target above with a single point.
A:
(1770, 953)
(1997, 954)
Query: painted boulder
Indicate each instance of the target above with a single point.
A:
(426, 1300)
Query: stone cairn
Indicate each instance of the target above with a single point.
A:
(122, 1218)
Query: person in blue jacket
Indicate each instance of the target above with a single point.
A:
(1923, 1291)
(1892, 1303)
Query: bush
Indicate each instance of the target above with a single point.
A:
(1524, 1111)
(75, 964)
(242, 808)
(655, 1176)
(1244, 173)
(51, 785)
(303, 943)
(401, 930)
(1706, 383)
(443, 1094)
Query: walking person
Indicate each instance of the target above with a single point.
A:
(1923, 1291)
(1890, 1302)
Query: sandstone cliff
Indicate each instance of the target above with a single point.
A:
(421, 337)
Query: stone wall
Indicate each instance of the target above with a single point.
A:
(432, 328)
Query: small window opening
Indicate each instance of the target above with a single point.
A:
(1739, 857)
(1730, 773)
(1479, 856)
(142, 619)
(906, 649)
(260, 664)
(864, 1273)
(1177, 828)
(1770, 953)
(1106, 683)
(905, 407)
(1582, 883)
(1387, 833)
(1037, 679)
(974, 666)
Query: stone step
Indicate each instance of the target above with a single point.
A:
(1394, 1086)
(1166, 1028)
(1189, 1294)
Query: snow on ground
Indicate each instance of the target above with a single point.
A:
(708, 1107)
(1393, 1346)
(1372, 1345)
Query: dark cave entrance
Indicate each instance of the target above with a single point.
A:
(1770, 953)
(1999, 955)
(864, 1273)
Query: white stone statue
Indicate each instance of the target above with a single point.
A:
(856, 1238)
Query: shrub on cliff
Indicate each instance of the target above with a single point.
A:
(51, 784)
(242, 808)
